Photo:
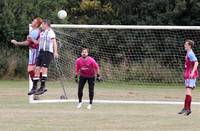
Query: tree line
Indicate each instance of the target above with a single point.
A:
(16, 15)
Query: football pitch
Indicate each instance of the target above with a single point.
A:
(16, 114)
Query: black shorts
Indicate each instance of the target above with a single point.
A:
(44, 58)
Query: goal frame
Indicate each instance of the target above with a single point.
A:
(31, 98)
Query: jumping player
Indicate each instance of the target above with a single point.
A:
(32, 43)
(190, 76)
(47, 50)
(86, 69)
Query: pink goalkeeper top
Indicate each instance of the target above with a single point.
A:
(190, 59)
(86, 67)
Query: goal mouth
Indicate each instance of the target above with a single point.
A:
(139, 64)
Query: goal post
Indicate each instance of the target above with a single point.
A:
(139, 64)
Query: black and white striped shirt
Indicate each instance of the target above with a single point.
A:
(45, 42)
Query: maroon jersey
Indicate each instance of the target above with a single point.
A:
(190, 59)
(33, 48)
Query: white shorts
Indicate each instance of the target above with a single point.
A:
(33, 54)
(190, 83)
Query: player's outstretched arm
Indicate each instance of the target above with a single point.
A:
(22, 43)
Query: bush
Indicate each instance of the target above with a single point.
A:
(13, 64)
(148, 71)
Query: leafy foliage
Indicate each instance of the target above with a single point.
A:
(15, 15)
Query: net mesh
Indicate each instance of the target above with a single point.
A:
(127, 58)
(131, 56)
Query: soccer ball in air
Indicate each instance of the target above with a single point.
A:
(62, 14)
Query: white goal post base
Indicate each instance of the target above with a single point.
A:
(32, 101)
(113, 102)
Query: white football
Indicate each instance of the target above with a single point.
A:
(62, 14)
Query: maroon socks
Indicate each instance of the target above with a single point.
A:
(188, 100)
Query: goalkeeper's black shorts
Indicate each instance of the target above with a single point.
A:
(44, 58)
(83, 80)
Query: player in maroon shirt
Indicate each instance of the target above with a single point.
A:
(190, 76)
(32, 43)
(86, 69)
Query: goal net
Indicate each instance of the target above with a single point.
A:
(139, 64)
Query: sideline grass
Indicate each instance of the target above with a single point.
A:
(16, 114)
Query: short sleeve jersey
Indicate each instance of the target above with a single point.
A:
(46, 38)
(190, 59)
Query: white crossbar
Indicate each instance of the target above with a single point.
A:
(126, 27)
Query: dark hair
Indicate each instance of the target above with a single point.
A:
(85, 49)
(48, 22)
(190, 42)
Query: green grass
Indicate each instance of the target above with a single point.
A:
(16, 114)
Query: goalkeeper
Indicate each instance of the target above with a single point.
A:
(86, 68)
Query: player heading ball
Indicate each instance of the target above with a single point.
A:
(32, 43)
(47, 51)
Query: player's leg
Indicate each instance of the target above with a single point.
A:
(190, 85)
(36, 78)
(81, 85)
(43, 78)
(31, 70)
(33, 53)
(46, 59)
(188, 100)
(91, 83)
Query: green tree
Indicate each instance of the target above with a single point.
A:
(15, 15)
